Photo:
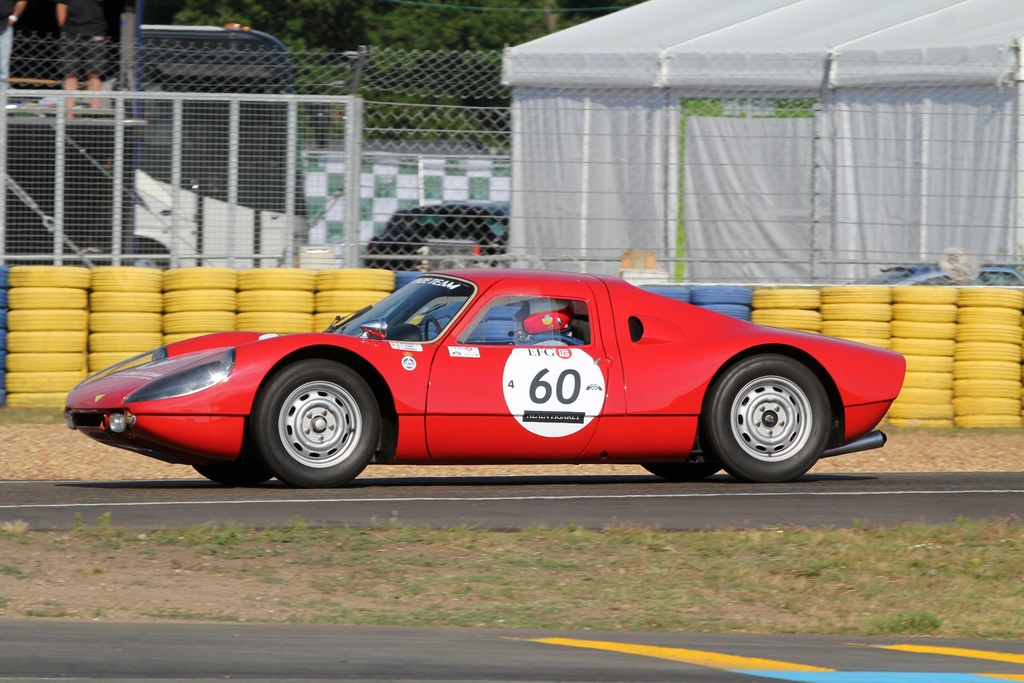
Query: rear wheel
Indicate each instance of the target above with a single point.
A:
(235, 472)
(767, 419)
(316, 424)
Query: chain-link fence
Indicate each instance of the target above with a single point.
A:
(239, 152)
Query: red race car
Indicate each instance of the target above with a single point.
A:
(496, 366)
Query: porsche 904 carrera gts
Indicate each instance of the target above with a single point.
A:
(496, 366)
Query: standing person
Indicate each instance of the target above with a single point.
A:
(83, 34)
(12, 9)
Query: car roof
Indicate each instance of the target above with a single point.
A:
(485, 277)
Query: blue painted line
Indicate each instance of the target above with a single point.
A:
(867, 676)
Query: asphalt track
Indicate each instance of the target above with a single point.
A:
(516, 502)
(32, 650)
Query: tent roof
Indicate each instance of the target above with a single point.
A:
(773, 44)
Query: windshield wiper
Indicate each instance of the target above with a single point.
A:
(336, 326)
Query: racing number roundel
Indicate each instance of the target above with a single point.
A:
(553, 391)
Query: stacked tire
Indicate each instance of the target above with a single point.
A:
(986, 363)
(674, 292)
(47, 333)
(794, 308)
(858, 313)
(126, 314)
(197, 301)
(276, 300)
(730, 300)
(3, 334)
(343, 291)
(924, 331)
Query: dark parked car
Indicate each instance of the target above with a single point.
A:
(989, 274)
(441, 235)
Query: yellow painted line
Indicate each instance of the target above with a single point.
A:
(713, 660)
(1005, 677)
(959, 652)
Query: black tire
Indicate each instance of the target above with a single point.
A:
(316, 424)
(683, 471)
(235, 472)
(766, 419)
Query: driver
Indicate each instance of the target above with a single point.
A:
(547, 318)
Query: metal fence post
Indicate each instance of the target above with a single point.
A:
(353, 170)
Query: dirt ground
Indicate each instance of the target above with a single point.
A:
(53, 452)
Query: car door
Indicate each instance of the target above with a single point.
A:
(523, 379)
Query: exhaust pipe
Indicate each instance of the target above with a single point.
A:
(871, 440)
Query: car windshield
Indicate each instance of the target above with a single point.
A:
(419, 311)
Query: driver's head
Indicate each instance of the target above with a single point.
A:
(538, 316)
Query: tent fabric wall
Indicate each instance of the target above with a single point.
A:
(912, 147)
(611, 175)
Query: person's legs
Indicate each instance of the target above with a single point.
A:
(94, 83)
(6, 41)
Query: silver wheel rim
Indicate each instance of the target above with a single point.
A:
(320, 424)
(771, 419)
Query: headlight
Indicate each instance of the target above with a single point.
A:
(187, 381)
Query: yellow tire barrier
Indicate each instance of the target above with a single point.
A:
(877, 342)
(927, 396)
(182, 336)
(41, 320)
(916, 423)
(1008, 334)
(789, 318)
(987, 388)
(856, 294)
(373, 279)
(299, 279)
(988, 351)
(345, 301)
(55, 298)
(126, 279)
(921, 411)
(74, 277)
(269, 300)
(43, 382)
(975, 405)
(198, 322)
(800, 298)
(279, 322)
(53, 400)
(988, 421)
(126, 302)
(907, 329)
(128, 343)
(197, 300)
(860, 312)
(46, 342)
(321, 321)
(989, 315)
(925, 313)
(200, 277)
(986, 370)
(991, 296)
(928, 363)
(120, 321)
(858, 329)
(925, 295)
(101, 360)
(924, 347)
(45, 362)
(928, 380)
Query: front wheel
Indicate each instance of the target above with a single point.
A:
(767, 419)
(316, 424)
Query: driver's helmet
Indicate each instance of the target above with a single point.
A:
(539, 316)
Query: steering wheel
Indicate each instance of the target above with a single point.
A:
(427, 321)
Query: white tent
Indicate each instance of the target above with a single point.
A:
(663, 126)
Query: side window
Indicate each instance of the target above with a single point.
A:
(531, 320)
